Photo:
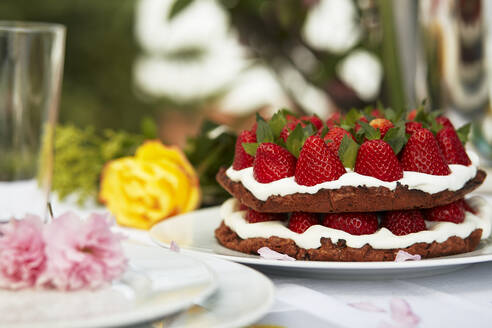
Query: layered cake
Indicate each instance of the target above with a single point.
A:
(355, 188)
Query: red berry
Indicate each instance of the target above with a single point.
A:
(467, 206)
(333, 120)
(243, 207)
(289, 118)
(242, 159)
(451, 147)
(445, 122)
(422, 154)
(404, 222)
(315, 120)
(254, 127)
(377, 113)
(453, 212)
(357, 125)
(253, 216)
(381, 124)
(377, 159)
(301, 221)
(353, 223)
(289, 127)
(411, 127)
(411, 115)
(273, 162)
(334, 138)
(317, 163)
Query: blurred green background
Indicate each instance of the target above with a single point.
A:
(100, 51)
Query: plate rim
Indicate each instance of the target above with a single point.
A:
(136, 315)
(317, 265)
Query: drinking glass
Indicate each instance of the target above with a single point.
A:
(31, 66)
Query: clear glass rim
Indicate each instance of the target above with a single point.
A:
(30, 27)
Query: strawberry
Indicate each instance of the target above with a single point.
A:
(445, 122)
(467, 206)
(454, 212)
(253, 216)
(254, 127)
(404, 222)
(353, 223)
(333, 120)
(242, 159)
(315, 120)
(451, 147)
(301, 221)
(243, 207)
(411, 115)
(317, 163)
(422, 154)
(382, 124)
(377, 113)
(273, 162)
(376, 159)
(289, 127)
(290, 118)
(334, 138)
(357, 125)
(411, 127)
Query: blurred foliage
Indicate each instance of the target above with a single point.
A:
(100, 51)
(80, 155)
(271, 29)
(212, 148)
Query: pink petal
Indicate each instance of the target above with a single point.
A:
(403, 256)
(401, 312)
(268, 254)
(366, 306)
(174, 246)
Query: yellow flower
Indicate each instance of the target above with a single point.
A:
(154, 184)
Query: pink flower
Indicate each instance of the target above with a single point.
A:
(269, 254)
(22, 256)
(81, 254)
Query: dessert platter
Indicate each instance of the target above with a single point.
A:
(359, 188)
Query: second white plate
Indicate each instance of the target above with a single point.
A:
(194, 233)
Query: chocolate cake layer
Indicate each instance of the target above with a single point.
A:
(349, 199)
(340, 252)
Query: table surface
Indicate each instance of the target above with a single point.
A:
(461, 298)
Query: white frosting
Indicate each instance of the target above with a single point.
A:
(382, 239)
(432, 184)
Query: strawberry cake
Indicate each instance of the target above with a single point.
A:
(355, 188)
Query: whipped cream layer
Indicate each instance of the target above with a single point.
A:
(382, 239)
(428, 183)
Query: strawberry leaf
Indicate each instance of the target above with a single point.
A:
(296, 139)
(263, 132)
(394, 115)
(309, 130)
(350, 119)
(286, 112)
(463, 133)
(370, 132)
(367, 112)
(277, 123)
(250, 147)
(323, 132)
(348, 152)
(396, 137)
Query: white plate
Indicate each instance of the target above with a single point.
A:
(243, 297)
(194, 233)
(157, 283)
